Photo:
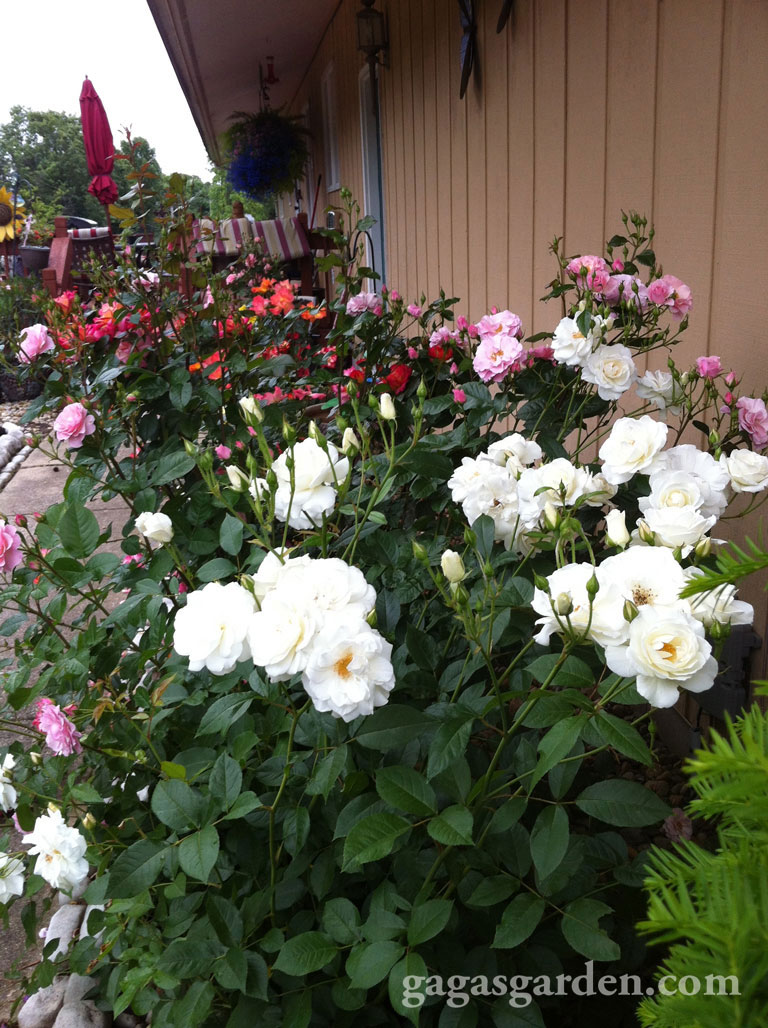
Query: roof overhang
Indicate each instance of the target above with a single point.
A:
(217, 46)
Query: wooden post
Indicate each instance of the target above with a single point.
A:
(59, 260)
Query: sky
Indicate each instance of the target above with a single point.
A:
(117, 45)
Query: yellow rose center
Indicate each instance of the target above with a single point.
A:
(341, 667)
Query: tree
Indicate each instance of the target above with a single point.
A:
(44, 149)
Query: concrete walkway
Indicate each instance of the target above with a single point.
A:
(37, 484)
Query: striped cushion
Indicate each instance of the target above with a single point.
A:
(87, 233)
(286, 238)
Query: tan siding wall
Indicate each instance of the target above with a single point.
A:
(576, 111)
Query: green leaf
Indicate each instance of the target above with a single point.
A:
(572, 673)
(135, 869)
(176, 804)
(452, 827)
(371, 962)
(305, 953)
(428, 920)
(231, 535)
(341, 920)
(622, 803)
(231, 972)
(410, 967)
(327, 772)
(491, 891)
(180, 394)
(225, 918)
(173, 770)
(79, 531)
(449, 744)
(581, 929)
(187, 958)
(223, 713)
(622, 737)
(172, 466)
(215, 569)
(405, 789)
(226, 780)
(549, 840)
(244, 804)
(297, 1010)
(198, 853)
(518, 921)
(392, 726)
(556, 744)
(371, 839)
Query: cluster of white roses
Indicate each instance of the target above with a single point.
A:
(503, 484)
(307, 474)
(301, 616)
(630, 604)
(60, 851)
(609, 366)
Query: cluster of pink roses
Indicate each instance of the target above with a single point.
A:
(608, 282)
(366, 302)
(60, 733)
(499, 350)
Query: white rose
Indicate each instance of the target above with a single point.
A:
(270, 571)
(672, 489)
(453, 566)
(7, 792)
(666, 651)
(747, 470)
(719, 605)
(631, 447)
(280, 636)
(616, 533)
(558, 482)
(467, 477)
(514, 452)
(569, 344)
(11, 877)
(60, 851)
(611, 369)
(212, 628)
(598, 490)
(678, 526)
(660, 388)
(645, 575)
(387, 407)
(238, 479)
(327, 584)
(711, 476)
(349, 441)
(251, 410)
(602, 621)
(494, 493)
(308, 491)
(158, 528)
(349, 672)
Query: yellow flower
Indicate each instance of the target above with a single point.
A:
(9, 225)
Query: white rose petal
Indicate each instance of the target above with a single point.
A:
(280, 636)
(308, 491)
(660, 388)
(719, 605)
(60, 851)
(645, 575)
(711, 476)
(611, 369)
(603, 620)
(666, 651)
(569, 345)
(158, 528)
(677, 527)
(349, 672)
(212, 628)
(558, 482)
(11, 877)
(514, 452)
(747, 470)
(631, 447)
(7, 792)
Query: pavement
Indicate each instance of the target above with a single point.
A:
(37, 484)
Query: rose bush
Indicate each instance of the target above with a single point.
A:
(358, 714)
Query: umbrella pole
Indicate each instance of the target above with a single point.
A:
(109, 220)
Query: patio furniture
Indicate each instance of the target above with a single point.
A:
(71, 251)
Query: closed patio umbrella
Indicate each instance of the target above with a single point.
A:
(99, 148)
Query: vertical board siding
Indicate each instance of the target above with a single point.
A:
(521, 290)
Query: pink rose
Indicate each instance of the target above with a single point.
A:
(589, 270)
(73, 425)
(669, 291)
(364, 302)
(414, 310)
(459, 395)
(496, 356)
(709, 367)
(394, 296)
(35, 339)
(659, 292)
(60, 734)
(413, 353)
(10, 547)
(753, 419)
(223, 452)
(461, 323)
(617, 265)
(500, 323)
(625, 289)
(543, 353)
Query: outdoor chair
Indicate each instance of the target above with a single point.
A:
(71, 252)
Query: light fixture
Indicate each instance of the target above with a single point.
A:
(371, 32)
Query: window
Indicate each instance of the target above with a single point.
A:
(330, 139)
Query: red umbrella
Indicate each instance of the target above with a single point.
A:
(99, 148)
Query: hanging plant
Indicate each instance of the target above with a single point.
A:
(268, 152)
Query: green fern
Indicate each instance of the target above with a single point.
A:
(713, 907)
(733, 564)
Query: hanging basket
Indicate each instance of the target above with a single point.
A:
(267, 153)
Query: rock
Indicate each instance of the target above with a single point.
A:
(41, 1009)
(83, 1014)
(76, 893)
(78, 986)
(660, 787)
(64, 923)
(126, 1020)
